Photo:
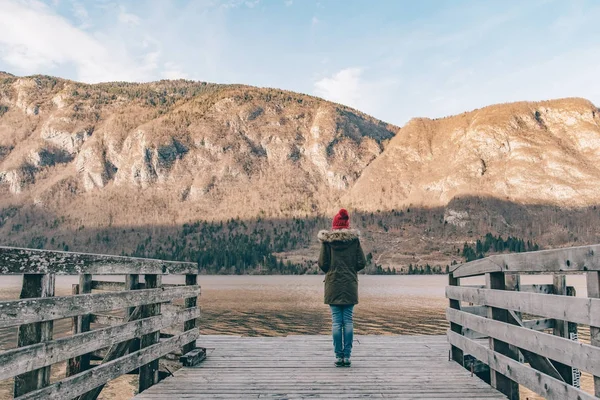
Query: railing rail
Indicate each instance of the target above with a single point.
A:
(571, 259)
(540, 353)
(132, 341)
(17, 261)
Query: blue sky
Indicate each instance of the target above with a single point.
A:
(393, 59)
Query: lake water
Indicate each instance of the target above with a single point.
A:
(291, 305)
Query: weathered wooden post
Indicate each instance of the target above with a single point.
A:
(513, 283)
(190, 279)
(34, 285)
(149, 372)
(73, 363)
(562, 328)
(496, 280)
(456, 353)
(573, 334)
(593, 288)
(84, 321)
(132, 282)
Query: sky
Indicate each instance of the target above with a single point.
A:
(393, 59)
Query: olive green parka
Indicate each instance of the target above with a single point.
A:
(341, 258)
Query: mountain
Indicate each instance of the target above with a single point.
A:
(174, 151)
(200, 171)
(528, 153)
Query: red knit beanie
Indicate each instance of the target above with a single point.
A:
(341, 220)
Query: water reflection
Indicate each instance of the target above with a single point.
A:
(282, 305)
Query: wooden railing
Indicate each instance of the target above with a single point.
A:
(122, 343)
(497, 311)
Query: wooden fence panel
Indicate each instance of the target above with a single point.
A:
(24, 359)
(83, 382)
(18, 312)
(37, 309)
(579, 355)
(573, 309)
(544, 385)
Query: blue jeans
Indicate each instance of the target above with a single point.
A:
(342, 329)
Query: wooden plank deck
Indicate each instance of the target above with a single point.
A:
(301, 367)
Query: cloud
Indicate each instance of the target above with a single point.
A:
(343, 87)
(80, 12)
(173, 71)
(289, 2)
(35, 39)
(314, 21)
(128, 18)
(237, 3)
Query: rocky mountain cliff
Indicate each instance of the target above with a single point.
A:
(174, 151)
(529, 153)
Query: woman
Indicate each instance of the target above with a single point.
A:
(341, 258)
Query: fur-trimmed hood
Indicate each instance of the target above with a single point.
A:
(338, 235)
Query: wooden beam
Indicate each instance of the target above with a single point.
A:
(149, 372)
(538, 362)
(18, 312)
(482, 311)
(513, 283)
(499, 381)
(544, 385)
(108, 285)
(455, 352)
(190, 302)
(106, 319)
(570, 259)
(543, 289)
(24, 359)
(18, 261)
(573, 309)
(73, 363)
(579, 355)
(85, 381)
(539, 324)
(593, 288)
(37, 286)
(84, 321)
(132, 282)
(559, 284)
(471, 334)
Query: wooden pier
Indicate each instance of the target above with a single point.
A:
(506, 333)
(301, 367)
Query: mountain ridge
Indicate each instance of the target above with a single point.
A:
(513, 143)
(94, 138)
(105, 167)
